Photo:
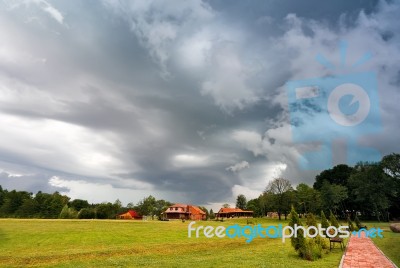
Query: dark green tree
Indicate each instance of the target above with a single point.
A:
(372, 190)
(78, 204)
(333, 196)
(339, 175)
(254, 205)
(241, 202)
(309, 199)
(278, 188)
(333, 219)
(212, 214)
(299, 241)
(87, 213)
(391, 165)
(324, 221)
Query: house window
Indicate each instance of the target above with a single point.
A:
(170, 208)
(176, 208)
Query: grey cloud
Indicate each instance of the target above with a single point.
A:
(98, 110)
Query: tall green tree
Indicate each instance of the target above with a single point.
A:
(309, 199)
(339, 175)
(372, 189)
(254, 205)
(78, 204)
(212, 214)
(298, 241)
(333, 196)
(241, 202)
(278, 188)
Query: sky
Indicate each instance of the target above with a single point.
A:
(182, 100)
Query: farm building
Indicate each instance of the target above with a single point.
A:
(130, 215)
(183, 211)
(233, 212)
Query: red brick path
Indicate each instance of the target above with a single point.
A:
(362, 253)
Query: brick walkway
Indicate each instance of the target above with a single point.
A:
(361, 252)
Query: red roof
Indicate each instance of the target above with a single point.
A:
(196, 210)
(232, 210)
(187, 208)
(134, 214)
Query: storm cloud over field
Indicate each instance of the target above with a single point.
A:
(122, 99)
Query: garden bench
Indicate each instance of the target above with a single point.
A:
(333, 240)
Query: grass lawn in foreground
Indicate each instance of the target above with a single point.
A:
(116, 243)
(390, 244)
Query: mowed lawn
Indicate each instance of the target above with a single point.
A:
(390, 244)
(118, 243)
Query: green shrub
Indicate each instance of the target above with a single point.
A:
(297, 242)
(311, 250)
(323, 242)
(68, 213)
(333, 220)
(311, 221)
(324, 222)
(351, 225)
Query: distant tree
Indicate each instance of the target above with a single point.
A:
(147, 206)
(160, 206)
(28, 209)
(373, 190)
(78, 204)
(391, 165)
(333, 195)
(68, 213)
(12, 202)
(2, 194)
(337, 175)
(278, 187)
(212, 214)
(205, 210)
(226, 205)
(254, 205)
(241, 202)
(309, 199)
(105, 211)
(87, 213)
(267, 202)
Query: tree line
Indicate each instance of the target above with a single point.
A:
(22, 204)
(371, 190)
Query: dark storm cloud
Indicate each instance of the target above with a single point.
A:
(141, 97)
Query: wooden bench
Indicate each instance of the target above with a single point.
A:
(333, 240)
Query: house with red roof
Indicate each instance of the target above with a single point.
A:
(233, 212)
(130, 215)
(184, 211)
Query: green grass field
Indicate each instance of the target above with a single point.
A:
(390, 244)
(112, 243)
